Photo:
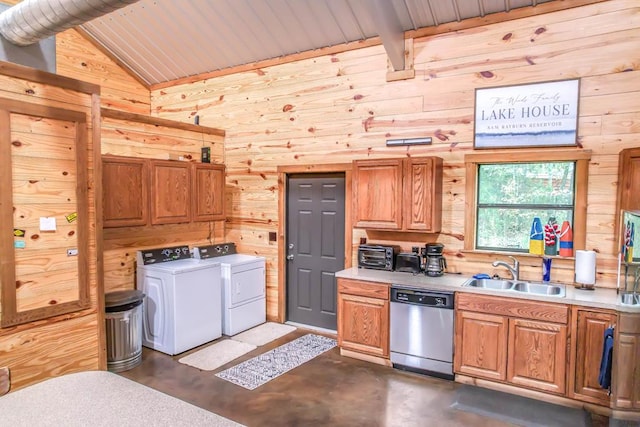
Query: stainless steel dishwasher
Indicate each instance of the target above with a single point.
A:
(421, 331)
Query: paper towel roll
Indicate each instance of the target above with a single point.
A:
(585, 267)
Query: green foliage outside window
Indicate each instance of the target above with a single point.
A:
(511, 195)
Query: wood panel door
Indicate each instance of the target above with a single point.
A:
(170, 192)
(363, 324)
(45, 227)
(588, 330)
(537, 355)
(481, 345)
(208, 192)
(377, 194)
(125, 191)
(422, 210)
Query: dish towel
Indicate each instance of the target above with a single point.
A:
(605, 363)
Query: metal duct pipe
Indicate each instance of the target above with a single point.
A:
(33, 20)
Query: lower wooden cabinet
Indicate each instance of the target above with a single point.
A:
(481, 345)
(588, 327)
(363, 317)
(519, 342)
(626, 365)
(537, 355)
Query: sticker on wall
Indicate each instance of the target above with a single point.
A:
(19, 244)
(72, 217)
(18, 232)
(47, 223)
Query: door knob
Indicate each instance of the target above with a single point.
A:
(290, 257)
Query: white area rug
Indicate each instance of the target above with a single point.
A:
(216, 355)
(255, 372)
(264, 333)
(100, 398)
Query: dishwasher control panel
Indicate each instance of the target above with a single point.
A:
(426, 298)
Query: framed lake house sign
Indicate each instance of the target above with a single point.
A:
(530, 115)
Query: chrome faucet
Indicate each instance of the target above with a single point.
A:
(514, 270)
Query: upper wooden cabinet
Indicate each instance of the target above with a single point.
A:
(207, 203)
(139, 191)
(170, 192)
(629, 179)
(398, 194)
(124, 191)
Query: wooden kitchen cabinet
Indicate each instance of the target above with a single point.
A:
(537, 355)
(532, 335)
(422, 188)
(363, 317)
(170, 192)
(377, 194)
(481, 345)
(207, 201)
(398, 194)
(626, 363)
(125, 191)
(588, 327)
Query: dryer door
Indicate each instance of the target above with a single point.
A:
(246, 284)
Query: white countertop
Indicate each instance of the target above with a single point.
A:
(599, 297)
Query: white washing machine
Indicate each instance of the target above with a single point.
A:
(182, 301)
(244, 303)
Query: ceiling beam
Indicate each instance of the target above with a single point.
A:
(390, 31)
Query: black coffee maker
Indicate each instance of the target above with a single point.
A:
(435, 263)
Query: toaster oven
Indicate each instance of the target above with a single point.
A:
(377, 257)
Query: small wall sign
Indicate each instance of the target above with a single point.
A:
(530, 115)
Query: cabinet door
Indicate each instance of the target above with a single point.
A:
(208, 192)
(629, 179)
(363, 324)
(627, 373)
(124, 191)
(422, 210)
(377, 194)
(170, 190)
(480, 345)
(537, 355)
(589, 338)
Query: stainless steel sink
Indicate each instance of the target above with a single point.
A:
(630, 299)
(489, 283)
(539, 289)
(532, 288)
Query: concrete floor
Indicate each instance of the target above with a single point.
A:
(328, 390)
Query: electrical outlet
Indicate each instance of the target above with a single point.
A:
(5, 381)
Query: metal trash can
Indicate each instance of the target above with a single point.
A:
(124, 329)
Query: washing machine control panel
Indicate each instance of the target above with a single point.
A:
(212, 251)
(156, 256)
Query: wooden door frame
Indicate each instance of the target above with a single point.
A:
(283, 172)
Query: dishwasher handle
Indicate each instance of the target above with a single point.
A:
(424, 298)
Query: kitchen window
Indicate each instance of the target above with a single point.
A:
(505, 191)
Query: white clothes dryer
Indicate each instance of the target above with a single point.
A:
(244, 303)
(182, 301)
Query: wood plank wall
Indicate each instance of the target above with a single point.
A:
(128, 136)
(338, 108)
(70, 342)
(79, 59)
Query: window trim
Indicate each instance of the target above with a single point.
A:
(472, 160)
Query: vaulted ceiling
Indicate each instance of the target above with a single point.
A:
(168, 40)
